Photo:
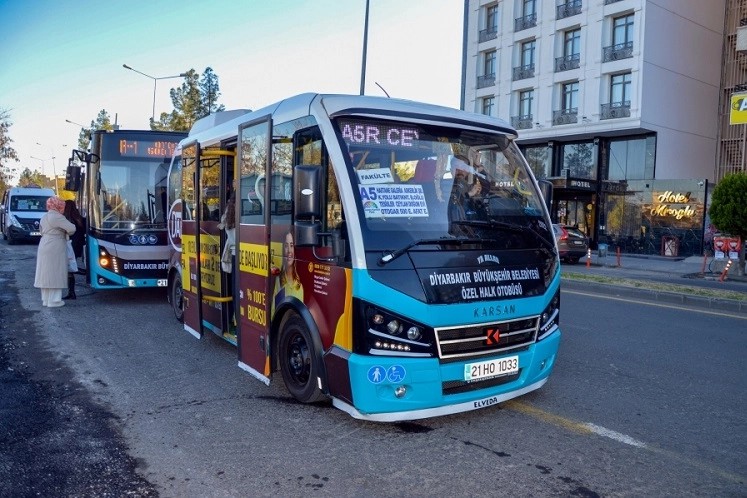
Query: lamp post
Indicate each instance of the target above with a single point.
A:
(365, 50)
(155, 81)
(54, 168)
(73, 122)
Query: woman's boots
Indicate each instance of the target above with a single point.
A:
(70, 286)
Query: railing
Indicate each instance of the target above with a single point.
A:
(619, 51)
(523, 72)
(568, 9)
(525, 22)
(488, 34)
(486, 80)
(607, 2)
(565, 116)
(615, 110)
(521, 122)
(567, 62)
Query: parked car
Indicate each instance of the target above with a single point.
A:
(572, 243)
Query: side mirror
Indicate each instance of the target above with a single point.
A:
(307, 195)
(2, 208)
(545, 187)
(72, 177)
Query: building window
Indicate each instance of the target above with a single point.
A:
(524, 118)
(580, 160)
(526, 68)
(568, 112)
(491, 23)
(488, 70)
(539, 160)
(631, 159)
(619, 104)
(567, 9)
(571, 58)
(487, 105)
(622, 39)
(528, 17)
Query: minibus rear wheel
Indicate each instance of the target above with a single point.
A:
(298, 360)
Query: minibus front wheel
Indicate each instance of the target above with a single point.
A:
(298, 360)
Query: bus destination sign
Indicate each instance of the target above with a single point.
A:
(146, 148)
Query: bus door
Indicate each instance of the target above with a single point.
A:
(215, 295)
(191, 294)
(254, 157)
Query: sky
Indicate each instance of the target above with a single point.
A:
(63, 59)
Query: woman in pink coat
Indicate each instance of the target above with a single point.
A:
(51, 257)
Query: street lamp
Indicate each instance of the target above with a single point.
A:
(155, 81)
(73, 122)
(365, 52)
(54, 168)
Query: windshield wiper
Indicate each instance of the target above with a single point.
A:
(509, 227)
(448, 240)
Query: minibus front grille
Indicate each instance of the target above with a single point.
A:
(467, 343)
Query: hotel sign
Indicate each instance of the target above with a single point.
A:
(674, 204)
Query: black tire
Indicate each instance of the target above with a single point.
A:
(298, 360)
(176, 297)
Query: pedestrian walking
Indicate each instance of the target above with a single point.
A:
(78, 239)
(51, 256)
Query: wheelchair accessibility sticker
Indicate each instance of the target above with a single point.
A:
(377, 374)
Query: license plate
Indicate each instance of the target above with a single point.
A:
(577, 243)
(491, 368)
(162, 282)
(36, 234)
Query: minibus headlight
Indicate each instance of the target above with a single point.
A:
(550, 317)
(379, 332)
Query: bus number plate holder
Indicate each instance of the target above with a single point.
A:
(491, 368)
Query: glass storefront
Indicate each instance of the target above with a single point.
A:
(657, 217)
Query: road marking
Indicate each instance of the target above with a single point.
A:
(589, 428)
(660, 305)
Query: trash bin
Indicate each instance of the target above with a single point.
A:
(670, 246)
(602, 249)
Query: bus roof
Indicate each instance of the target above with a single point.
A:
(217, 127)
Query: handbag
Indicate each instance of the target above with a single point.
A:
(72, 264)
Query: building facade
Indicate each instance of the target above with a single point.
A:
(615, 101)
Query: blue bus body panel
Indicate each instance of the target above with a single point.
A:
(374, 378)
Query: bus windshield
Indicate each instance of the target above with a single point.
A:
(424, 182)
(131, 195)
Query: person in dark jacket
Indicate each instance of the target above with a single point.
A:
(78, 240)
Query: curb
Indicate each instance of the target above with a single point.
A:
(710, 303)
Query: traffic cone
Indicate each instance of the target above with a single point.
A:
(588, 258)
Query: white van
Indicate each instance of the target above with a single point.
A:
(21, 211)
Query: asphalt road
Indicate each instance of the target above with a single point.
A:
(108, 397)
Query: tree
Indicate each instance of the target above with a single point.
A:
(34, 178)
(8, 155)
(729, 210)
(195, 99)
(102, 122)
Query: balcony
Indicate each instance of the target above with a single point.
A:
(565, 116)
(521, 122)
(525, 22)
(486, 80)
(619, 51)
(567, 62)
(568, 9)
(488, 34)
(523, 72)
(615, 110)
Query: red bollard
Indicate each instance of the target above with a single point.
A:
(588, 258)
(726, 270)
(619, 263)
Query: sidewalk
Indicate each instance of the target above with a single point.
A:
(651, 273)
